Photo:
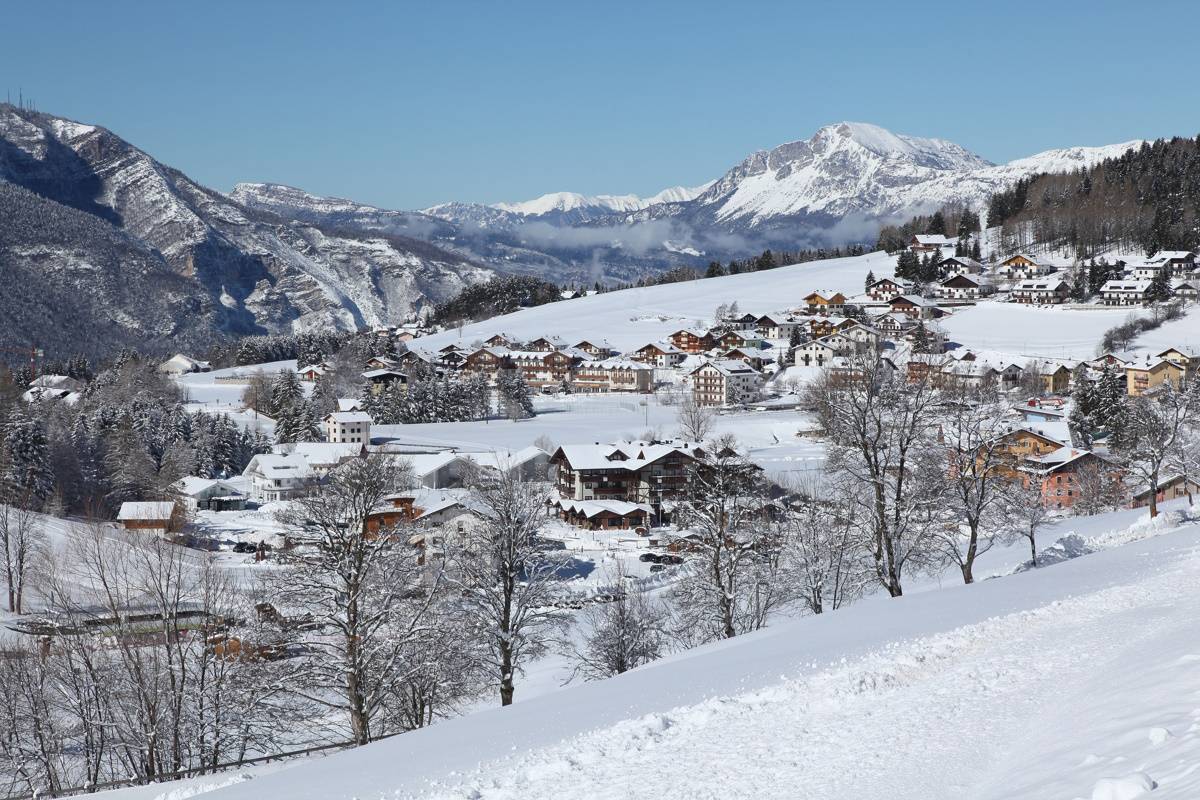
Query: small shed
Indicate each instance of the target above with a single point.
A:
(157, 516)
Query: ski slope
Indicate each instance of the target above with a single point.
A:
(1073, 681)
(632, 317)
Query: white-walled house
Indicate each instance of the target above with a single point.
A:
(1124, 293)
(725, 382)
(348, 427)
(278, 476)
(961, 286)
(816, 353)
(1037, 291)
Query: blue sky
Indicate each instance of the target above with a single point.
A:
(409, 104)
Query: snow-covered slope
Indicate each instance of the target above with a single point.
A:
(1059, 682)
(633, 317)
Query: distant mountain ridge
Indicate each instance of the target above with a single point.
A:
(270, 258)
(839, 185)
(223, 268)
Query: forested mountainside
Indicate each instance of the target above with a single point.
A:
(73, 282)
(1147, 198)
(112, 248)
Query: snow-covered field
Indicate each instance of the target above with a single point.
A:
(770, 436)
(1045, 684)
(1029, 330)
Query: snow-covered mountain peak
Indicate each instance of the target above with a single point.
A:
(934, 153)
(565, 202)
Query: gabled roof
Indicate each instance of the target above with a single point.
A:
(592, 508)
(344, 417)
(146, 510)
(1139, 286)
(920, 302)
(630, 456)
(278, 466)
(193, 485)
(728, 367)
(662, 347)
(1049, 283)
(1057, 459)
(619, 363)
(825, 294)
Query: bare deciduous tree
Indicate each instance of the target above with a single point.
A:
(978, 468)
(21, 539)
(882, 456)
(695, 420)
(365, 585)
(507, 578)
(619, 635)
(1151, 435)
(721, 533)
(824, 565)
(1025, 511)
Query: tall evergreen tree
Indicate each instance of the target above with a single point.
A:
(28, 478)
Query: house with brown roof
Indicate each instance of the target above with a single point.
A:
(824, 301)
(613, 375)
(693, 341)
(915, 307)
(962, 287)
(885, 289)
(662, 355)
(1058, 474)
(596, 348)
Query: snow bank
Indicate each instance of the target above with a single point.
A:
(1126, 787)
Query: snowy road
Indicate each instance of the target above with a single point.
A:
(951, 715)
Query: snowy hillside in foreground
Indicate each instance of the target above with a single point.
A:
(1039, 685)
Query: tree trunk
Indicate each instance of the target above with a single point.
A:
(968, 564)
(1033, 548)
(506, 674)
(359, 727)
